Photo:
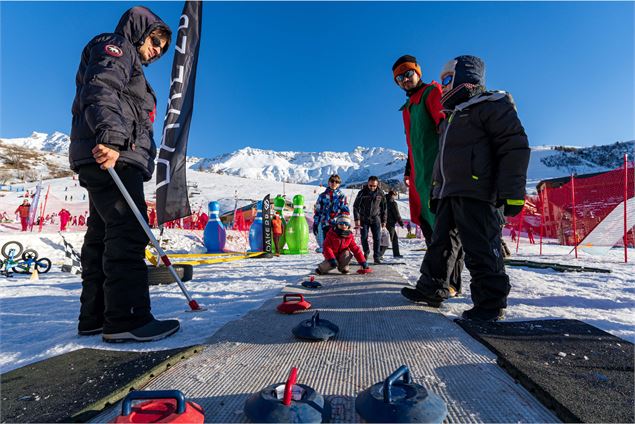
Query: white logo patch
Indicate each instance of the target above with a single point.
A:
(113, 50)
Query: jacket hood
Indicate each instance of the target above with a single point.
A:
(137, 23)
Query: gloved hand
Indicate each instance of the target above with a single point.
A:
(333, 263)
(512, 207)
(401, 224)
(365, 269)
(315, 228)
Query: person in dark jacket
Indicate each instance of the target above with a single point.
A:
(482, 162)
(369, 210)
(113, 114)
(393, 218)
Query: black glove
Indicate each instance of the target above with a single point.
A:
(401, 224)
(333, 263)
(511, 207)
(315, 228)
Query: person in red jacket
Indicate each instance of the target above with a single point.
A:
(340, 247)
(64, 217)
(23, 210)
(202, 220)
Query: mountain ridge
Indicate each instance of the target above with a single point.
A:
(355, 166)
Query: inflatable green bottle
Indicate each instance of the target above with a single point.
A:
(278, 206)
(297, 231)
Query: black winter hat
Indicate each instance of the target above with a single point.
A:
(469, 69)
(403, 59)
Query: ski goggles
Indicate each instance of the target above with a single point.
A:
(447, 80)
(347, 224)
(408, 74)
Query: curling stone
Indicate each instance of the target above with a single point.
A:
(311, 283)
(285, 403)
(163, 406)
(291, 306)
(393, 401)
(315, 329)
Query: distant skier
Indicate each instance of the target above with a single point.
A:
(329, 205)
(113, 116)
(512, 234)
(530, 234)
(23, 212)
(340, 247)
(484, 153)
(202, 220)
(64, 218)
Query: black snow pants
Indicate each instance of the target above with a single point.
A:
(478, 231)
(114, 274)
(458, 257)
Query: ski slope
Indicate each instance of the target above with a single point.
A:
(38, 319)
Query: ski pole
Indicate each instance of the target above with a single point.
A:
(164, 257)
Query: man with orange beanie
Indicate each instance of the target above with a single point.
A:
(422, 114)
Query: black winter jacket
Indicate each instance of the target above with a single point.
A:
(114, 104)
(370, 206)
(483, 151)
(394, 217)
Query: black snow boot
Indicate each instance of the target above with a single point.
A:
(415, 295)
(483, 315)
(154, 330)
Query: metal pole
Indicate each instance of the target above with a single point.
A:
(575, 235)
(520, 226)
(164, 258)
(625, 199)
(542, 215)
(46, 198)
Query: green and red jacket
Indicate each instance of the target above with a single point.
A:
(422, 114)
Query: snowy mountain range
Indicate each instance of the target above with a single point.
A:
(354, 167)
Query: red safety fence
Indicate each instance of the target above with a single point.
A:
(568, 209)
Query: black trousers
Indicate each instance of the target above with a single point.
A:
(394, 239)
(375, 228)
(458, 258)
(114, 274)
(476, 225)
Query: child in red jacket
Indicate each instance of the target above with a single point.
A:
(339, 248)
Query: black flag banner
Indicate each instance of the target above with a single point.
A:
(172, 199)
(267, 236)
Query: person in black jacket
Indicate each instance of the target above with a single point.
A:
(369, 211)
(481, 165)
(393, 218)
(113, 114)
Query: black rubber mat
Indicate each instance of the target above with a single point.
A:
(583, 373)
(77, 385)
(554, 266)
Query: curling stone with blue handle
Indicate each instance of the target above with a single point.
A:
(394, 401)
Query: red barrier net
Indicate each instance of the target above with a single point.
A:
(590, 198)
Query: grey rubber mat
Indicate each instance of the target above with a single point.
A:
(379, 331)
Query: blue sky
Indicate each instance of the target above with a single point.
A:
(317, 76)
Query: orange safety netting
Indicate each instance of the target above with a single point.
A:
(589, 197)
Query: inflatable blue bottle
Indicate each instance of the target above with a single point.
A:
(214, 236)
(255, 231)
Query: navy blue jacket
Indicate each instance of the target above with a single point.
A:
(114, 104)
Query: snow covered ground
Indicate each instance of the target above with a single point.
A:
(38, 319)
